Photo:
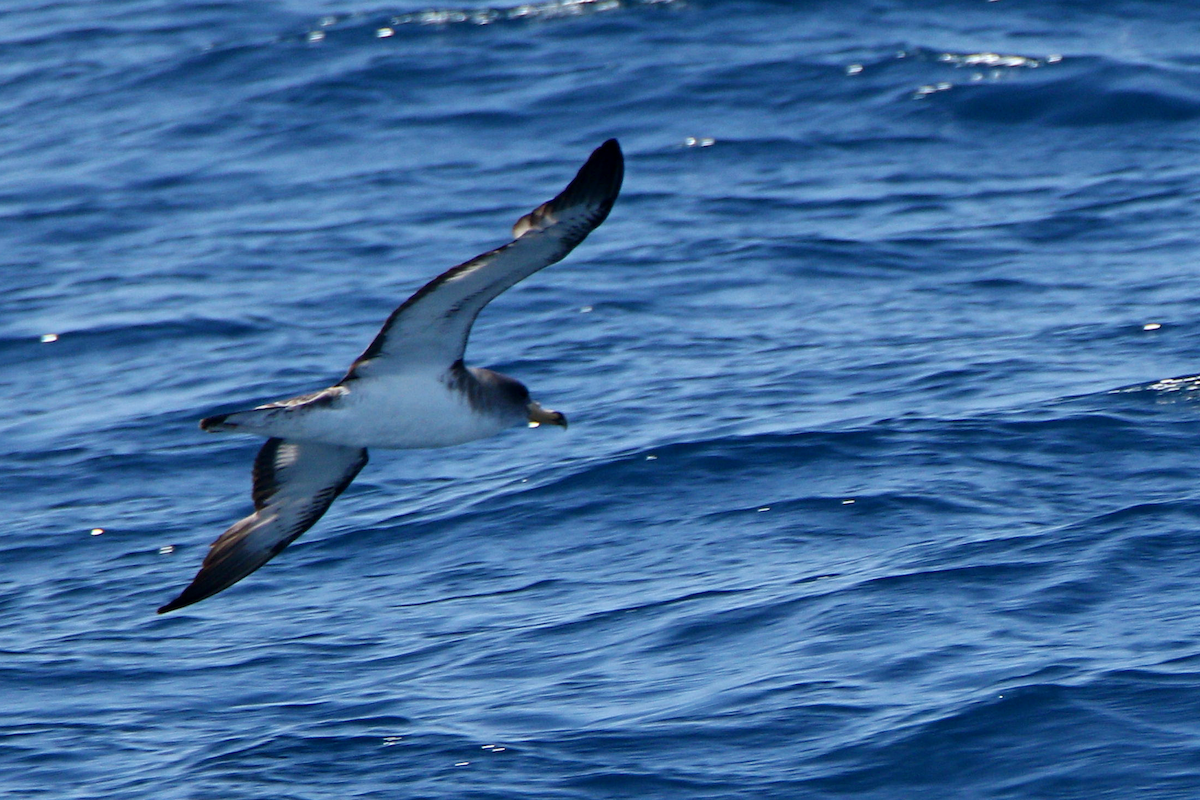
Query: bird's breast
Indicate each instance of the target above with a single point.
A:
(407, 412)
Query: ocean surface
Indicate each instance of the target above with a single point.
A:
(882, 475)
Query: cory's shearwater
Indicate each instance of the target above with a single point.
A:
(408, 389)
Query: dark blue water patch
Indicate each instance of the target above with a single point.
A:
(21, 474)
(1003, 756)
(1148, 540)
(791, 79)
(863, 506)
(1098, 93)
(821, 285)
(582, 496)
(1166, 390)
(418, 20)
(230, 64)
(164, 332)
(1002, 286)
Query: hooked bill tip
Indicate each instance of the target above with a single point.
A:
(544, 416)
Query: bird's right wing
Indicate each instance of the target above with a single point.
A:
(432, 326)
(294, 484)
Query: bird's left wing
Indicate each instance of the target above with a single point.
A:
(432, 326)
(294, 484)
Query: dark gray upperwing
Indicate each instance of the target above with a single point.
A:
(294, 484)
(432, 326)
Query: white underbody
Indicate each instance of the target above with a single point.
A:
(403, 411)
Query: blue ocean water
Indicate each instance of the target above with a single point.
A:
(880, 481)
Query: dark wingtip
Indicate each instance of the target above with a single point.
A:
(178, 602)
(603, 172)
(200, 588)
(595, 187)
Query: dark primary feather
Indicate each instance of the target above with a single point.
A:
(294, 484)
(433, 324)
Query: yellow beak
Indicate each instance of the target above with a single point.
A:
(544, 416)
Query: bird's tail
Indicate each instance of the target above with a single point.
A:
(238, 420)
(260, 419)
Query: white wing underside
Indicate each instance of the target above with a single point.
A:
(431, 327)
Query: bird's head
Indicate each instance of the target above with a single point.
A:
(544, 416)
(507, 397)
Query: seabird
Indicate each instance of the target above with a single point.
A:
(408, 389)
